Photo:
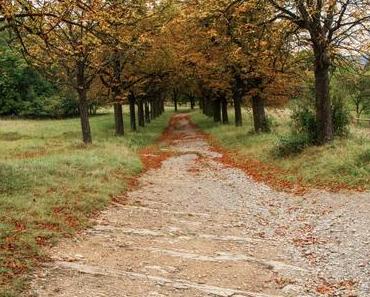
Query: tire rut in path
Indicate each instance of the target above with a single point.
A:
(192, 228)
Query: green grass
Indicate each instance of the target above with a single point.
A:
(345, 161)
(50, 183)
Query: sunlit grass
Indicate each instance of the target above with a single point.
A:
(50, 183)
(346, 160)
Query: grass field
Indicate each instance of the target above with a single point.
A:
(51, 183)
(345, 161)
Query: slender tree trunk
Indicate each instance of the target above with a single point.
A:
(217, 110)
(225, 115)
(147, 112)
(118, 119)
(323, 102)
(201, 104)
(155, 109)
(175, 103)
(238, 91)
(238, 111)
(140, 113)
(192, 102)
(84, 116)
(259, 114)
(158, 107)
(132, 111)
(83, 104)
(207, 107)
(152, 109)
(117, 94)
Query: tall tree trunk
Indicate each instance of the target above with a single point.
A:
(192, 102)
(155, 109)
(118, 119)
(147, 112)
(83, 104)
(207, 106)
(201, 103)
(117, 94)
(152, 109)
(140, 113)
(225, 115)
(132, 100)
(84, 116)
(162, 105)
(323, 102)
(217, 110)
(238, 92)
(259, 114)
(175, 103)
(158, 107)
(238, 111)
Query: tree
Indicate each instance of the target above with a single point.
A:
(243, 55)
(329, 28)
(354, 84)
(58, 37)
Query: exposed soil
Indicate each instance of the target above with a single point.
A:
(194, 226)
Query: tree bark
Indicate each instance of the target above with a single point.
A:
(116, 94)
(140, 113)
(259, 114)
(147, 112)
(323, 102)
(217, 110)
(175, 98)
(237, 100)
(201, 104)
(238, 92)
(84, 116)
(83, 103)
(132, 111)
(238, 111)
(158, 106)
(118, 119)
(152, 109)
(225, 115)
(162, 106)
(192, 102)
(208, 107)
(175, 103)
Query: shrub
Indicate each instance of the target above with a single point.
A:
(304, 121)
(364, 158)
(341, 117)
(292, 144)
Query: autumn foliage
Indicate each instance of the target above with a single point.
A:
(144, 53)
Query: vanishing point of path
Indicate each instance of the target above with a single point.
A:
(195, 227)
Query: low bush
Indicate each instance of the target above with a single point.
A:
(341, 117)
(291, 144)
(364, 158)
(304, 122)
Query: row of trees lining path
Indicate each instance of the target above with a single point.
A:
(142, 53)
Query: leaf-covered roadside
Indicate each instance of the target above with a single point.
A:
(343, 165)
(47, 196)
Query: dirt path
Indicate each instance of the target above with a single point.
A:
(195, 227)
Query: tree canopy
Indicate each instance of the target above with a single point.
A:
(144, 52)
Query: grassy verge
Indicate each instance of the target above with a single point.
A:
(345, 163)
(50, 184)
